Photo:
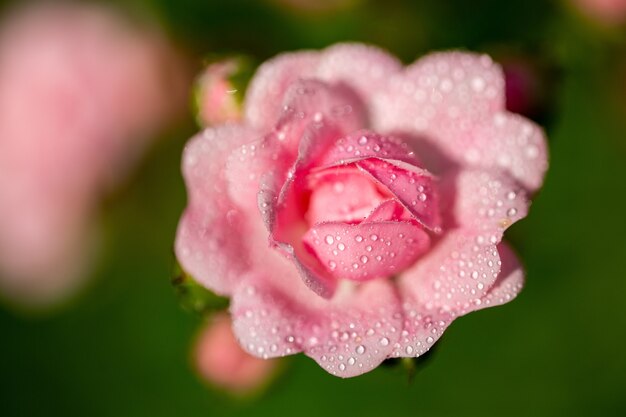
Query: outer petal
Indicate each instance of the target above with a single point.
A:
(424, 324)
(349, 335)
(456, 272)
(211, 238)
(514, 144)
(439, 92)
(455, 102)
(363, 68)
(485, 201)
(265, 94)
(509, 283)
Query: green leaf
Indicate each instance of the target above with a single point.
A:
(194, 297)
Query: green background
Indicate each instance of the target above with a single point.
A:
(121, 348)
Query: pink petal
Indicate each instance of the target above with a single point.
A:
(514, 144)
(244, 169)
(281, 200)
(456, 272)
(348, 335)
(312, 102)
(341, 194)
(425, 324)
(210, 241)
(412, 186)
(265, 94)
(439, 92)
(285, 222)
(363, 68)
(388, 210)
(359, 67)
(364, 144)
(509, 283)
(455, 102)
(361, 252)
(486, 202)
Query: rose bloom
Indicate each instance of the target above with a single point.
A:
(81, 92)
(359, 207)
(222, 363)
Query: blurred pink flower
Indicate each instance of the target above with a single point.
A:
(383, 193)
(81, 92)
(222, 363)
(609, 12)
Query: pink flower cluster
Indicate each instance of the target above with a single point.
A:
(359, 206)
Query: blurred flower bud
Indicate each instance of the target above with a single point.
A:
(606, 12)
(220, 89)
(530, 83)
(82, 90)
(222, 362)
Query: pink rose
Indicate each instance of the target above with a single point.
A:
(82, 90)
(359, 207)
(223, 364)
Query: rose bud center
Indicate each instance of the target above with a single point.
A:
(368, 218)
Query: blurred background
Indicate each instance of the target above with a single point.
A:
(114, 341)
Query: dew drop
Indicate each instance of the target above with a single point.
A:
(384, 341)
(341, 246)
(360, 349)
(511, 212)
(330, 240)
(374, 237)
(364, 259)
(363, 140)
(358, 238)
